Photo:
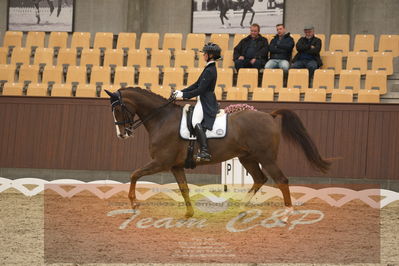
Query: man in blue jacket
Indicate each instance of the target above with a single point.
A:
(280, 49)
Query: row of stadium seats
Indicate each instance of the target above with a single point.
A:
(174, 78)
(382, 61)
(173, 41)
(182, 58)
(259, 94)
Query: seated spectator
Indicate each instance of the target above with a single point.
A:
(251, 52)
(280, 49)
(308, 55)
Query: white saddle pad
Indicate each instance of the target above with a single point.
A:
(219, 127)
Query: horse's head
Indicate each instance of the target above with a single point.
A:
(123, 115)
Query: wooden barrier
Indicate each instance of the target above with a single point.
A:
(78, 133)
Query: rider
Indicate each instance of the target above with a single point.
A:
(206, 107)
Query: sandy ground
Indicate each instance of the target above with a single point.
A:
(27, 221)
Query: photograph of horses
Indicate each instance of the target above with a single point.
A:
(40, 15)
(235, 16)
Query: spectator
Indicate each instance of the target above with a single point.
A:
(308, 55)
(251, 52)
(280, 49)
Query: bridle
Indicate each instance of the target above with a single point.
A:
(128, 116)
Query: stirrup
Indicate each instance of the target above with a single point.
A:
(203, 156)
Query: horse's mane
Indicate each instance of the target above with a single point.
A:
(152, 94)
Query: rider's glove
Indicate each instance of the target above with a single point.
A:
(178, 94)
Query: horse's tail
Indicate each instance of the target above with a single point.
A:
(293, 130)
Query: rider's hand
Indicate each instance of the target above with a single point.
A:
(178, 94)
(241, 58)
(253, 60)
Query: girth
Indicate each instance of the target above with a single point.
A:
(190, 113)
(190, 162)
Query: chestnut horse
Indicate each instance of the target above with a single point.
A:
(253, 137)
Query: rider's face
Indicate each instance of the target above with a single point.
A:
(206, 56)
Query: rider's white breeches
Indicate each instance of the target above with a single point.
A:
(198, 114)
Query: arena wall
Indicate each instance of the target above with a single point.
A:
(78, 134)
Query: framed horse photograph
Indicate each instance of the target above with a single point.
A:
(235, 16)
(40, 15)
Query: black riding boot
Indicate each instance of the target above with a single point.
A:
(203, 155)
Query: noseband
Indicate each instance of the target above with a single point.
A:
(128, 116)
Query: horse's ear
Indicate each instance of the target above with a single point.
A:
(112, 95)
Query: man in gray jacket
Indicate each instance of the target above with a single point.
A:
(308, 55)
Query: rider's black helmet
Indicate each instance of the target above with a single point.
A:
(212, 49)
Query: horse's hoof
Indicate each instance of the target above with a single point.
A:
(284, 219)
(241, 215)
(135, 205)
(287, 213)
(189, 214)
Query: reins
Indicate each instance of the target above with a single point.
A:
(134, 124)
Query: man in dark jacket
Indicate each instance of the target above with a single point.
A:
(308, 55)
(251, 52)
(280, 49)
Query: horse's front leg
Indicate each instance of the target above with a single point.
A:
(149, 169)
(181, 180)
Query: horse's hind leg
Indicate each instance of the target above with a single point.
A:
(221, 17)
(280, 179)
(149, 169)
(244, 13)
(282, 182)
(259, 177)
(253, 15)
(59, 7)
(51, 5)
(226, 17)
(182, 182)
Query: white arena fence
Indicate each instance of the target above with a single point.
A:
(208, 191)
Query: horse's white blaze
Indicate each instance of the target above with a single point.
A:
(118, 132)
